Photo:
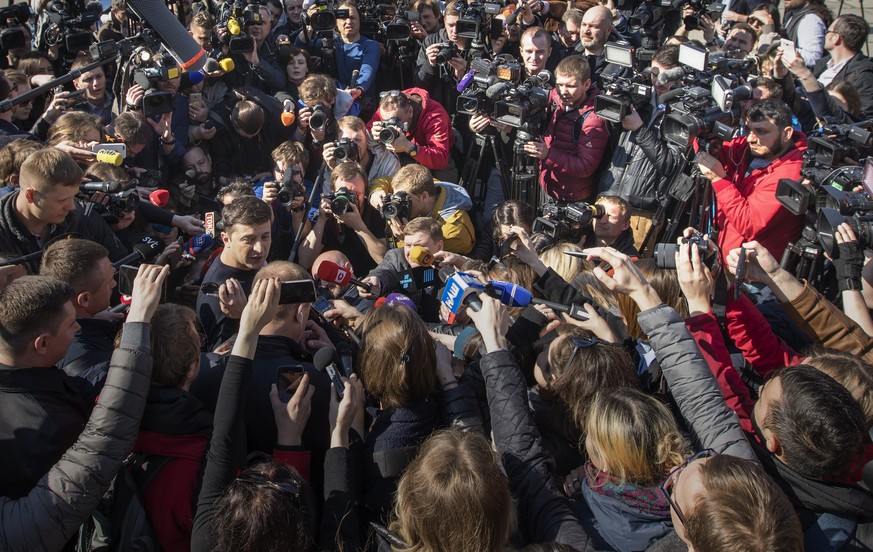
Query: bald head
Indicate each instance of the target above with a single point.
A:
(333, 257)
(595, 29)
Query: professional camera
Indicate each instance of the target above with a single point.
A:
(835, 144)
(479, 87)
(321, 118)
(622, 92)
(563, 221)
(116, 201)
(396, 206)
(474, 17)
(345, 150)
(392, 129)
(447, 51)
(397, 30)
(341, 201)
(65, 27)
(290, 188)
(665, 253)
(524, 106)
(324, 20)
(695, 116)
(13, 38)
(712, 8)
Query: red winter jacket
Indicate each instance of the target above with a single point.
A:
(747, 205)
(170, 497)
(567, 173)
(432, 133)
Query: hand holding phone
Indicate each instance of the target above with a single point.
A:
(789, 51)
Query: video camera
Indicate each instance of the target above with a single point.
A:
(486, 82)
(236, 17)
(148, 73)
(13, 37)
(622, 92)
(115, 201)
(525, 106)
(323, 21)
(563, 221)
(65, 26)
(711, 8)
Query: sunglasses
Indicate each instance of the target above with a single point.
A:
(261, 481)
(670, 481)
(580, 343)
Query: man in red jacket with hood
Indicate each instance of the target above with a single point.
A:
(425, 132)
(745, 180)
(575, 139)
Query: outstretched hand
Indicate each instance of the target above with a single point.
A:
(147, 288)
(626, 277)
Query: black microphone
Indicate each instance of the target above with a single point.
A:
(344, 350)
(108, 187)
(498, 89)
(671, 75)
(121, 307)
(324, 360)
(146, 250)
(511, 18)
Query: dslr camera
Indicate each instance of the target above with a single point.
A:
(447, 51)
(290, 188)
(665, 253)
(321, 118)
(396, 206)
(346, 150)
(340, 201)
(392, 129)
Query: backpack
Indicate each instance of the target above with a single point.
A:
(120, 522)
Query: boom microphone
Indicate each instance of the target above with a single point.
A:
(497, 90)
(335, 274)
(146, 250)
(671, 75)
(175, 37)
(107, 187)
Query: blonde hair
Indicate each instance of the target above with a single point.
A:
(666, 283)
(567, 266)
(453, 497)
(635, 435)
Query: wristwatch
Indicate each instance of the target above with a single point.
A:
(414, 151)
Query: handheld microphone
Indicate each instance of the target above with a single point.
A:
(421, 256)
(335, 274)
(159, 198)
(288, 116)
(465, 82)
(511, 18)
(513, 295)
(107, 187)
(324, 360)
(461, 289)
(146, 250)
(197, 245)
(227, 65)
(110, 156)
(344, 350)
(124, 306)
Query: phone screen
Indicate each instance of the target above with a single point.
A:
(126, 276)
(297, 291)
(288, 379)
(867, 179)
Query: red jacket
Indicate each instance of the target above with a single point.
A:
(170, 498)
(432, 133)
(747, 205)
(567, 173)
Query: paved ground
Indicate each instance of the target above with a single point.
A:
(859, 7)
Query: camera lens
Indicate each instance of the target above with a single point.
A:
(665, 255)
(340, 205)
(317, 121)
(388, 135)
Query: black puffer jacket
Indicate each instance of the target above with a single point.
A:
(544, 512)
(51, 513)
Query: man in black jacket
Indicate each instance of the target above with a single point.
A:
(844, 60)
(85, 265)
(45, 207)
(41, 410)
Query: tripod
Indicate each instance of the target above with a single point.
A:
(469, 177)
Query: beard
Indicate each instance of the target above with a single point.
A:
(769, 154)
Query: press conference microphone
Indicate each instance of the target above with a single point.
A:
(159, 198)
(344, 350)
(335, 274)
(324, 360)
(461, 289)
(107, 187)
(511, 18)
(421, 255)
(513, 295)
(466, 80)
(111, 157)
(671, 75)
(197, 245)
(288, 116)
(146, 250)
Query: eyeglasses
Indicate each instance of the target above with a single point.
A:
(670, 481)
(261, 481)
